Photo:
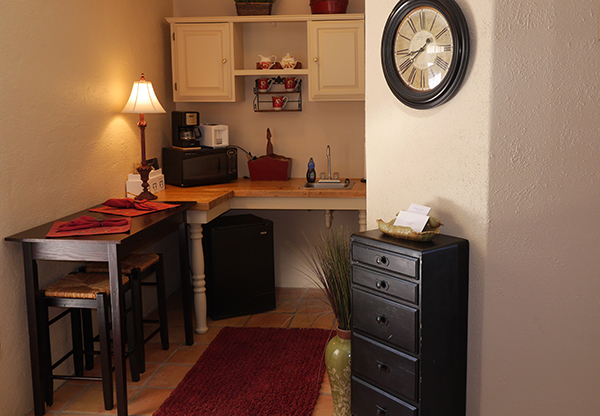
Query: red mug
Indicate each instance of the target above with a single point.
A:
(264, 84)
(279, 102)
(290, 83)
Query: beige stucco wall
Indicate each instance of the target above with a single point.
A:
(66, 71)
(510, 163)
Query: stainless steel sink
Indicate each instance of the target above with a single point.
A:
(328, 185)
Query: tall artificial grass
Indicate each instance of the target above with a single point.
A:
(329, 264)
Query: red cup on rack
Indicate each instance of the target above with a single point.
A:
(279, 102)
(264, 84)
(290, 83)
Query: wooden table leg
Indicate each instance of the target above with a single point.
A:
(199, 279)
(362, 220)
(117, 310)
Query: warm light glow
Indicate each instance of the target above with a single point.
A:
(142, 99)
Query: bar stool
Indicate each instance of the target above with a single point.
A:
(77, 292)
(138, 267)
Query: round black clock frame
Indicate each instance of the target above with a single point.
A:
(460, 54)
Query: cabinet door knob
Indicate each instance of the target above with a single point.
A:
(315, 59)
(382, 284)
(382, 319)
(224, 61)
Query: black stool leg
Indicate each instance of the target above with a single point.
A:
(105, 357)
(77, 342)
(161, 294)
(88, 338)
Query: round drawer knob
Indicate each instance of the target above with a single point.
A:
(382, 284)
(382, 260)
(315, 59)
(381, 411)
(383, 367)
(224, 61)
(382, 319)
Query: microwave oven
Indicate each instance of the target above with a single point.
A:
(201, 166)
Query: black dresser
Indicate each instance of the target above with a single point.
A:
(409, 325)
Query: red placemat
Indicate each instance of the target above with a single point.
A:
(132, 212)
(87, 231)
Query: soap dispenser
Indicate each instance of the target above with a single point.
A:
(311, 175)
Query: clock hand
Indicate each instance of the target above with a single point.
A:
(417, 52)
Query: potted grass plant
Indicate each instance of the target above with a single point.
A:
(330, 269)
(253, 7)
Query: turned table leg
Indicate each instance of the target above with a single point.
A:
(362, 220)
(198, 277)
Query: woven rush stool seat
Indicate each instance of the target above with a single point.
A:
(78, 293)
(134, 261)
(80, 286)
(138, 267)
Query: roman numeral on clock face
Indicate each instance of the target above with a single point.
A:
(441, 63)
(405, 65)
(402, 52)
(411, 77)
(422, 20)
(444, 30)
(412, 25)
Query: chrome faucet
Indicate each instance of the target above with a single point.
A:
(328, 163)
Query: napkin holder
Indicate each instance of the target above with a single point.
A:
(156, 183)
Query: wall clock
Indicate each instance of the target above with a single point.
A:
(425, 51)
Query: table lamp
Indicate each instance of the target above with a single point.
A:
(143, 101)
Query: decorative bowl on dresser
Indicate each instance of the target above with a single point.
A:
(409, 329)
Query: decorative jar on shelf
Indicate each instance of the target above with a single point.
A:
(328, 6)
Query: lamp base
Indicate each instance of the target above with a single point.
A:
(144, 172)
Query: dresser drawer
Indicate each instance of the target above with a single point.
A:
(389, 321)
(368, 400)
(386, 284)
(386, 260)
(385, 368)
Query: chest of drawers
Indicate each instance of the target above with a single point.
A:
(409, 325)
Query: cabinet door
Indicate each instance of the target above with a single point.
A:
(202, 67)
(336, 60)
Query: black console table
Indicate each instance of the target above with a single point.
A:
(409, 330)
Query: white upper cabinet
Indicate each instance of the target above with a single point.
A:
(337, 60)
(202, 62)
(211, 56)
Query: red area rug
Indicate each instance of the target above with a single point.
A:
(253, 372)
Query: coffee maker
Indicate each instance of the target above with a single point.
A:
(186, 129)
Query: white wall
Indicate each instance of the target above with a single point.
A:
(65, 74)
(510, 163)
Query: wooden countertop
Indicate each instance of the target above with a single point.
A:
(210, 196)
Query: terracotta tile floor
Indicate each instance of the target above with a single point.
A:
(296, 307)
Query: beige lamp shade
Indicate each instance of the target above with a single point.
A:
(142, 99)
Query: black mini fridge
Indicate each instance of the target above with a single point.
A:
(239, 266)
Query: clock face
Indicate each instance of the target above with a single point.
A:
(423, 49)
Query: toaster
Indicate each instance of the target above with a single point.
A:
(214, 135)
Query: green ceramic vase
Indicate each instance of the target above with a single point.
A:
(337, 361)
